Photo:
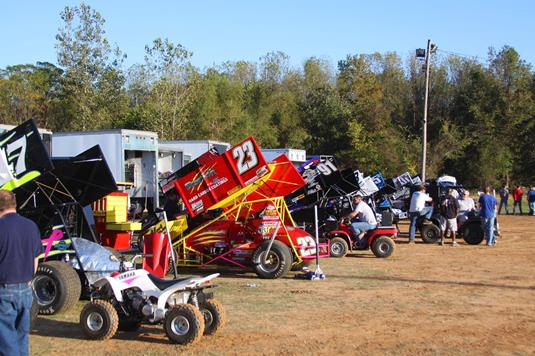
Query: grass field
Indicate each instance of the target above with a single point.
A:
(425, 299)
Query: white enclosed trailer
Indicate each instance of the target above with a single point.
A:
(297, 157)
(131, 155)
(194, 148)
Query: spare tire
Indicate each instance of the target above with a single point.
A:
(277, 263)
(57, 287)
(473, 233)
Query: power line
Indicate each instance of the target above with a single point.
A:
(467, 56)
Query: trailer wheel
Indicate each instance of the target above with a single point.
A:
(277, 263)
(99, 320)
(473, 233)
(338, 247)
(57, 287)
(430, 233)
(214, 316)
(383, 246)
(184, 324)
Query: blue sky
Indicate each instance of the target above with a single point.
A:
(216, 31)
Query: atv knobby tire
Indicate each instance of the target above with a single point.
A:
(383, 246)
(99, 320)
(214, 316)
(338, 247)
(57, 287)
(430, 233)
(278, 262)
(184, 324)
(473, 233)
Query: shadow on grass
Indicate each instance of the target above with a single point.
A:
(430, 281)
(70, 330)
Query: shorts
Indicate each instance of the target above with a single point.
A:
(451, 224)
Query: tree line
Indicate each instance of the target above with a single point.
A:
(366, 110)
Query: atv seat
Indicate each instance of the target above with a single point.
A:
(166, 283)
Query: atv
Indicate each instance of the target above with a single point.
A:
(129, 297)
(342, 240)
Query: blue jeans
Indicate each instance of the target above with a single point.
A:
(426, 211)
(15, 305)
(532, 207)
(360, 226)
(519, 204)
(503, 202)
(488, 228)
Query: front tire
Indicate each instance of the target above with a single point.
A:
(214, 316)
(57, 287)
(184, 324)
(99, 320)
(430, 233)
(277, 263)
(383, 247)
(338, 247)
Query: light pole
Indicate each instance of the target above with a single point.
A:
(420, 53)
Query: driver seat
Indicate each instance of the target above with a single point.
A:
(162, 284)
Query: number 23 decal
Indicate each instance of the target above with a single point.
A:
(246, 156)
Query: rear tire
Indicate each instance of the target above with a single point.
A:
(214, 316)
(383, 246)
(473, 233)
(99, 320)
(338, 247)
(56, 286)
(278, 262)
(430, 233)
(184, 324)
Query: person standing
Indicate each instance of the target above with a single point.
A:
(20, 244)
(449, 209)
(487, 212)
(531, 200)
(417, 209)
(517, 199)
(504, 196)
(362, 217)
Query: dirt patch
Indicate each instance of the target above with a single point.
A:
(425, 299)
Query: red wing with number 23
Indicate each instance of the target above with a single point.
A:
(219, 178)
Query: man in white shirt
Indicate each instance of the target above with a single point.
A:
(418, 209)
(362, 217)
(466, 205)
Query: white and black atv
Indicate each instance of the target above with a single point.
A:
(126, 299)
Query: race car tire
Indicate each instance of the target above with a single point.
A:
(430, 233)
(184, 324)
(99, 320)
(473, 233)
(383, 247)
(338, 247)
(57, 287)
(278, 262)
(214, 316)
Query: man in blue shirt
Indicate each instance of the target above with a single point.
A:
(487, 212)
(20, 244)
(531, 200)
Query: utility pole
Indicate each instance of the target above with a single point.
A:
(419, 54)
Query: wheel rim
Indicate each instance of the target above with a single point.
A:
(208, 317)
(45, 289)
(180, 325)
(94, 321)
(337, 248)
(272, 262)
(384, 247)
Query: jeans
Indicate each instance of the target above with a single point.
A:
(360, 226)
(519, 203)
(488, 228)
(426, 211)
(503, 202)
(532, 207)
(15, 305)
